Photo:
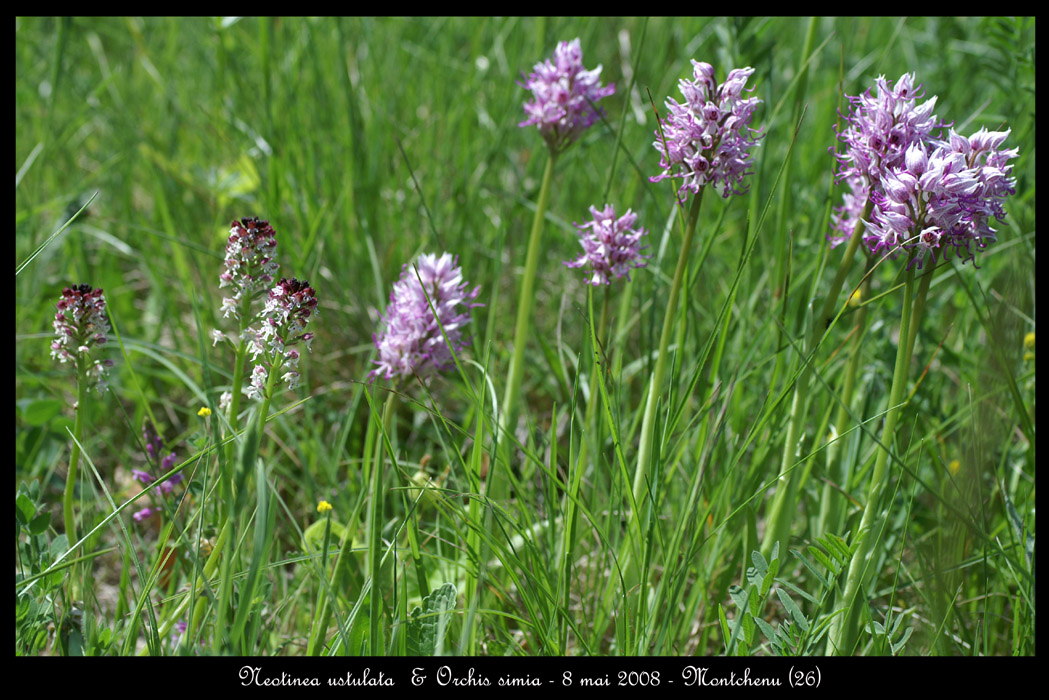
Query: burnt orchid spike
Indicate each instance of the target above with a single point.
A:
(410, 341)
(877, 132)
(612, 247)
(707, 140)
(80, 327)
(943, 199)
(289, 307)
(250, 263)
(564, 96)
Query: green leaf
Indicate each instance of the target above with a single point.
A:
(748, 630)
(755, 602)
(807, 596)
(313, 537)
(811, 566)
(24, 509)
(39, 524)
(725, 632)
(767, 630)
(898, 644)
(823, 558)
(427, 625)
(837, 546)
(766, 584)
(739, 596)
(37, 412)
(793, 609)
(759, 562)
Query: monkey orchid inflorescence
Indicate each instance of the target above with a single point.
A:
(611, 246)
(564, 96)
(708, 139)
(429, 306)
(928, 193)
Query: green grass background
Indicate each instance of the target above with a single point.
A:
(365, 141)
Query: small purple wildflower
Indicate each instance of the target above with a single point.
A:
(612, 246)
(144, 514)
(250, 265)
(80, 324)
(154, 445)
(708, 138)
(564, 96)
(144, 478)
(288, 309)
(411, 341)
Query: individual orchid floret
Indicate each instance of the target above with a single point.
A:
(612, 247)
(430, 297)
(289, 307)
(707, 140)
(80, 326)
(250, 264)
(564, 96)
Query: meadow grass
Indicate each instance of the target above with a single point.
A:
(367, 141)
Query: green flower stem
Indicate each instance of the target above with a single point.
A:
(591, 425)
(319, 615)
(830, 503)
(224, 547)
(785, 502)
(591, 432)
(497, 479)
(375, 520)
(74, 456)
(842, 634)
(226, 577)
(639, 502)
(645, 445)
(238, 379)
(196, 611)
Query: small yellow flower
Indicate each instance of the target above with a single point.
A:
(204, 412)
(1029, 341)
(856, 298)
(323, 507)
(954, 467)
